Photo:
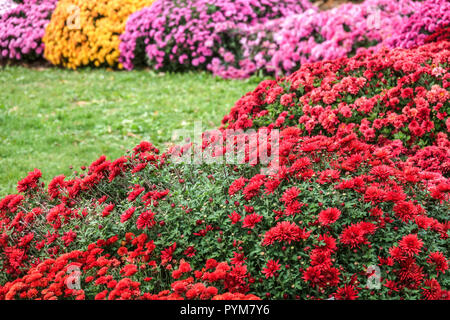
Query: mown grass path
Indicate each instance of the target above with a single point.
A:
(52, 118)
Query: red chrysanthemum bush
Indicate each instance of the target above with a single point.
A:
(391, 95)
(341, 215)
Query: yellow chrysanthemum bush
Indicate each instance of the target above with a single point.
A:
(86, 33)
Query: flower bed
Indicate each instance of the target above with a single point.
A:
(22, 29)
(350, 212)
(230, 38)
(95, 41)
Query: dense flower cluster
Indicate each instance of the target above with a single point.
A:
(22, 29)
(341, 214)
(177, 35)
(92, 37)
(429, 16)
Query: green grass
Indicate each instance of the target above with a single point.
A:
(52, 119)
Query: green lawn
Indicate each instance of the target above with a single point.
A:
(51, 118)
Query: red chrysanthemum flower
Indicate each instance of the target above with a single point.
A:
(355, 234)
(347, 292)
(290, 195)
(29, 182)
(190, 252)
(55, 186)
(211, 264)
(320, 258)
(329, 216)
(234, 217)
(329, 243)
(253, 187)
(439, 261)
(107, 210)
(166, 254)
(431, 290)
(251, 220)
(382, 172)
(405, 210)
(238, 259)
(322, 277)
(129, 270)
(68, 237)
(122, 251)
(284, 231)
(183, 268)
(272, 267)
(352, 236)
(137, 190)
(293, 208)
(127, 214)
(397, 254)
(236, 186)
(410, 245)
(374, 194)
(146, 220)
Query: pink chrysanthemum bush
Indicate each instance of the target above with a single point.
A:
(281, 46)
(348, 209)
(180, 35)
(22, 28)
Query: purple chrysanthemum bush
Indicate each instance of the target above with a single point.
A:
(22, 29)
